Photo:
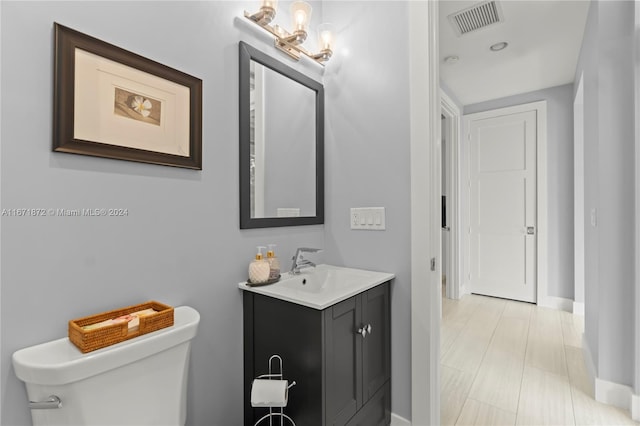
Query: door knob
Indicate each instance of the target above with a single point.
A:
(530, 230)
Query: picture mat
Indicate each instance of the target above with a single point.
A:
(96, 79)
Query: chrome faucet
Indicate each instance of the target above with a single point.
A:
(300, 262)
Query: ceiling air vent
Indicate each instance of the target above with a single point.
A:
(478, 16)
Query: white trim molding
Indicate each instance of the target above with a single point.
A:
(635, 404)
(635, 407)
(578, 197)
(613, 394)
(426, 231)
(558, 303)
(397, 420)
(453, 115)
(607, 392)
(578, 308)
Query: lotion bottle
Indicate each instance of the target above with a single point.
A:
(259, 269)
(274, 263)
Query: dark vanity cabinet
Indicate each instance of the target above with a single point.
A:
(340, 357)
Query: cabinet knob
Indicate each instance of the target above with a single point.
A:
(364, 330)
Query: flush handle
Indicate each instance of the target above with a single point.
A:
(53, 401)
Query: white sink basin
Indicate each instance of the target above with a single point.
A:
(322, 286)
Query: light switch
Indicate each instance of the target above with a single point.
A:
(368, 218)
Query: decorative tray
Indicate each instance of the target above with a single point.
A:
(111, 327)
(275, 280)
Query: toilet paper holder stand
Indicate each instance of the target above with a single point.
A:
(275, 376)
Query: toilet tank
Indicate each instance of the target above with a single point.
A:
(142, 381)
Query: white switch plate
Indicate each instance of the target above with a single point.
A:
(368, 218)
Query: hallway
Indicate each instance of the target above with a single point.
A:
(505, 362)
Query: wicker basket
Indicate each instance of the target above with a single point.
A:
(90, 340)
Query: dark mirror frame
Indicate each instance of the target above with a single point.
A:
(248, 53)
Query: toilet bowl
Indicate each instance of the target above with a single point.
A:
(142, 381)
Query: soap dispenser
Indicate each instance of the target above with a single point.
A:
(274, 263)
(259, 269)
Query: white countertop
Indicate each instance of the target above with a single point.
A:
(321, 286)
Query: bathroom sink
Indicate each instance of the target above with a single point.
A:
(321, 286)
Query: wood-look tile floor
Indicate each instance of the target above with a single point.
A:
(511, 363)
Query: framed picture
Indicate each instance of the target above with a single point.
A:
(109, 102)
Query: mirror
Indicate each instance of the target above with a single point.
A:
(281, 144)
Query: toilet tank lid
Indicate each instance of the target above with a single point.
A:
(60, 362)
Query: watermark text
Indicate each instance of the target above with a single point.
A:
(62, 212)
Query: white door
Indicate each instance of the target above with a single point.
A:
(503, 205)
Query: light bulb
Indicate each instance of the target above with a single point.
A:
(301, 13)
(273, 4)
(301, 17)
(326, 35)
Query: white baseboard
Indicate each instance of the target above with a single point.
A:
(559, 303)
(396, 420)
(613, 394)
(635, 407)
(578, 308)
(608, 392)
(464, 289)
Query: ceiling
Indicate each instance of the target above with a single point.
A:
(544, 44)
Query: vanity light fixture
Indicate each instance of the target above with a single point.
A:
(266, 13)
(291, 42)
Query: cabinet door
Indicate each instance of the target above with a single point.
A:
(343, 354)
(377, 411)
(376, 347)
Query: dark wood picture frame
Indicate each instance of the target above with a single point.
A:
(67, 43)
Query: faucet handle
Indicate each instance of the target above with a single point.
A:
(309, 249)
(301, 250)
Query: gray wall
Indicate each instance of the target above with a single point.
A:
(180, 244)
(450, 94)
(560, 179)
(606, 60)
(367, 148)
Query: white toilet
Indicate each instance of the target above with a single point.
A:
(142, 381)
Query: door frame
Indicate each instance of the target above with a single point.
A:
(425, 163)
(635, 399)
(452, 114)
(578, 199)
(540, 107)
